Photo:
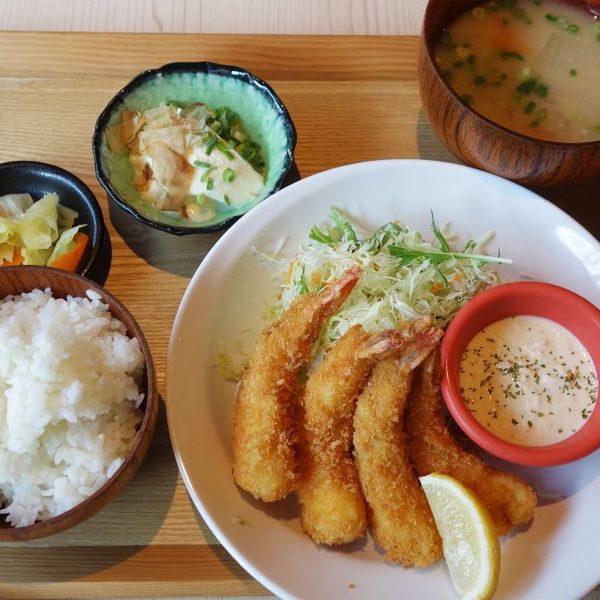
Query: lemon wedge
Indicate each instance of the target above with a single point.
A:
(471, 546)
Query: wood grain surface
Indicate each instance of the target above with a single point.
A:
(379, 17)
(352, 99)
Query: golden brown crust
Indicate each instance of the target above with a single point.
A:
(432, 448)
(264, 432)
(399, 515)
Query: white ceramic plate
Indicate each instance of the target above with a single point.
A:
(557, 557)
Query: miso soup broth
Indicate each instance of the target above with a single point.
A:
(531, 66)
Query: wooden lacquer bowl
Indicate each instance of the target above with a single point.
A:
(480, 142)
(15, 280)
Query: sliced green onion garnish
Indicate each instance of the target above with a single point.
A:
(541, 115)
(204, 177)
(228, 175)
(202, 164)
(227, 200)
(529, 108)
(210, 183)
(222, 148)
(573, 72)
(480, 80)
(510, 54)
(210, 144)
(446, 39)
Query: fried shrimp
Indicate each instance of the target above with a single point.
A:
(332, 503)
(432, 448)
(264, 459)
(398, 512)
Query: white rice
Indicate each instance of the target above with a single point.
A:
(69, 402)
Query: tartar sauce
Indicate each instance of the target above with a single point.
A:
(528, 380)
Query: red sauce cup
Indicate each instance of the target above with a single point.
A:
(558, 304)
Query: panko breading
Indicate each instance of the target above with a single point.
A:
(264, 432)
(399, 515)
(332, 503)
(432, 448)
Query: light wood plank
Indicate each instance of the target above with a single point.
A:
(341, 17)
(352, 98)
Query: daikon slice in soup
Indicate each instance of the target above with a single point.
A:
(531, 66)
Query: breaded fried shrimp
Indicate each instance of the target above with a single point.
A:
(432, 448)
(264, 434)
(399, 515)
(331, 501)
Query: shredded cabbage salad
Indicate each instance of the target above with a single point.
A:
(404, 277)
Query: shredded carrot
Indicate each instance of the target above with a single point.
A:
(437, 287)
(315, 278)
(70, 260)
(17, 259)
(288, 277)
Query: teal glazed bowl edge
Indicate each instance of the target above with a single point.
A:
(263, 113)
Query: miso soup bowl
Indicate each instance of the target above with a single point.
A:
(538, 299)
(479, 141)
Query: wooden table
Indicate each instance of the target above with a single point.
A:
(352, 99)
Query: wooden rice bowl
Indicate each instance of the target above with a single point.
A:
(16, 280)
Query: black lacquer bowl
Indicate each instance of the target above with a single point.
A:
(37, 179)
(264, 116)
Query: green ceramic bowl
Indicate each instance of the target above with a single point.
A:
(265, 119)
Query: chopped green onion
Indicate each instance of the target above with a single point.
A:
(446, 39)
(541, 90)
(527, 86)
(201, 198)
(224, 150)
(202, 164)
(480, 80)
(552, 18)
(529, 108)
(572, 28)
(573, 72)
(459, 63)
(209, 183)
(541, 114)
(471, 59)
(510, 54)
(228, 175)
(204, 177)
(227, 200)
(210, 144)
(467, 99)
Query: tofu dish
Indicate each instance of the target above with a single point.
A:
(190, 159)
